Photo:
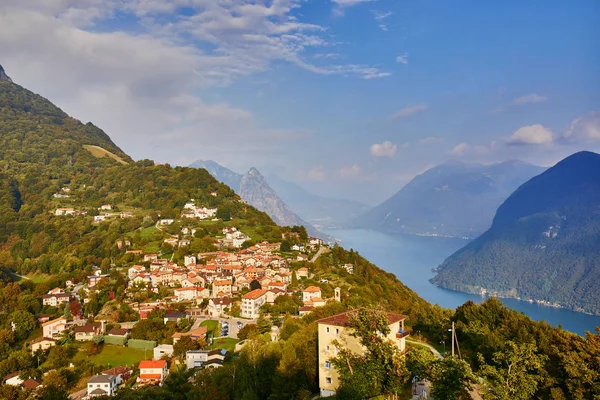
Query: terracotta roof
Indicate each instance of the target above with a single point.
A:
(98, 391)
(7, 377)
(117, 371)
(253, 295)
(54, 321)
(306, 308)
(42, 339)
(150, 376)
(312, 289)
(30, 384)
(200, 332)
(118, 331)
(343, 318)
(153, 364)
(88, 328)
(183, 289)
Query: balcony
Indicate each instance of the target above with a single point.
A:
(401, 334)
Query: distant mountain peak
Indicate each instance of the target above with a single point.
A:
(3, 76)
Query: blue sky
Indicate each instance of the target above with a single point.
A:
(348, 98)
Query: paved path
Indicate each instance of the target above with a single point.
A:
(78, 395)
(319, 252)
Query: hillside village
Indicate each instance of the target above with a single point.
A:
(206, 300)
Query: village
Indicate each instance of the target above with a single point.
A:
(207, 300)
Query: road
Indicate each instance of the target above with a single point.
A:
(78, 395)
(319, 252)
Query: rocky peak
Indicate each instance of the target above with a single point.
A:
(3, 76)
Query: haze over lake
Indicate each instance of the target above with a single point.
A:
(411, 259)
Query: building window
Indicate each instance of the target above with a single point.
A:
(327, 365)
(337, 331)
(327, 329)
(327, 347)
(328, 380)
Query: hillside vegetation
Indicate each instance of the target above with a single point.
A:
(544, 243)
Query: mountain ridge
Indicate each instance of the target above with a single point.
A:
(254, 188)
(453, 199)
(543, 243)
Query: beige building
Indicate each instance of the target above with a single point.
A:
(42, 343)
(335, 328)
(251, 303)
(53, 328)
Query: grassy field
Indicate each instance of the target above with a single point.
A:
(99, 152)
(38, 278)
(224, 343)
(209, 324)
(117, 355)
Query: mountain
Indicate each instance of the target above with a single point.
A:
(453, 199)
(3, 76)
(35, 131)
(256, 191)
(319, 211)
(220, 173)
(544, 242)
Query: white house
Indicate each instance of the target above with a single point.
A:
(101, 385)
(251, 303)
(153, 372)
(186, 293)
(162, 350)
(311, 292)
(55, 299)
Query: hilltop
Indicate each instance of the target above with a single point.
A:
(543, 243)
(453, 199)
(254, 189)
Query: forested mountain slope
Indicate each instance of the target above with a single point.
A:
(544, 243)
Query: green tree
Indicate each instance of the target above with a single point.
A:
(24, 323)
(419, 362)
(247, 331)
(451, 379)
(185, 344)
(515, 373)
(381, 369)
(236, 310)
(285, 246)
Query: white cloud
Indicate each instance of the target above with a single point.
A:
(380, 16)
(584, 129)
(465, 149)
(385, 149)
(408, 111)
(340, 6)
(144, 83)
(520, 101)
(313, 174)
(349, 3)
(402, 59)
(351, 171)
(431, 139)
(531, 135)
(529, 99)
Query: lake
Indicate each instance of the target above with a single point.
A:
(411, 259)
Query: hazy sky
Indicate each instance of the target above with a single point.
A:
(349, 98)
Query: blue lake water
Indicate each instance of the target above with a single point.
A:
(411, 259)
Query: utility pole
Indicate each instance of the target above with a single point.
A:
(453, 338)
